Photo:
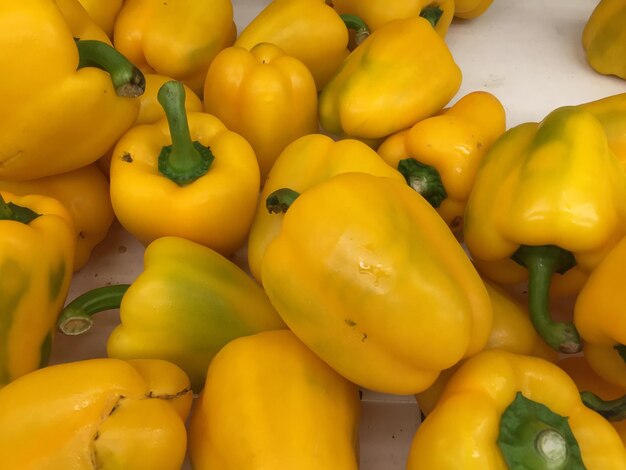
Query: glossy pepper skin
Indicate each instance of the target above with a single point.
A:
(84, 192)
(599, 316)
(548, 199)
(97, 413)
(253, 94)
(188, 302)
(464, 429)
(611, 112)
(448, 148)
(384, 302)
(288, 409)
(103, 13)
(402, 73)
(469, 9)
(309, 30)
(37, 242)
(89, 114)
(604, 38)
(177, 39)
(304, 163)
(186, 175)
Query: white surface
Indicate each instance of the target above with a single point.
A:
(527, 53)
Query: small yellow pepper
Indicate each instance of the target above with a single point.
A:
(439, 156)
(37, 243)
(269, 402)
(103, 13)
(469, 9)
(604, 38)
(96, 413)
(253, 93)
(187, 176)
(402, 73)
(304, 163)
(502, 410)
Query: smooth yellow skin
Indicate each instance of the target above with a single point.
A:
(549, 183)
(253, 93)
(611, 112)
(81, 23)
(85, 194)
(215, 210)
(384, 302)
(309, 30)
(376, 13)
(511, 331)
(469, 9)
(178, 39)
(103, 13)
(454, 143)
(604, 38)
(270, 403)
(402, 73)
(461, 431)
(97, 413)
(88, 116)
(304, 163)
(36, 266)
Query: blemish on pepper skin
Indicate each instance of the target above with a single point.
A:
(127, 157)
(350, 322)
(364, 336)
(82, 235)
(121, 249)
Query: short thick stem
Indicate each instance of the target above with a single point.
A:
(432, 13)
(612, 410)
(280, 200)
(424, 179)
(361, 30)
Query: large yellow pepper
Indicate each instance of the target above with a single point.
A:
(366, 273)
(469, 9)
(270, 403)
(548, 199)
(604, 38)
(89, 115)
(304, 163)
(611, 112)
(97, 413)
(253, 93)
(309, 30)
(439, 156)
(502, 411)
(178, 39)
(103, 13)
(402, 73)
(188, 302)
(85, 194)
(163, 183)
(37, 243)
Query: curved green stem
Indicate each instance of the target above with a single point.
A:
(424, 179)
(279, 201)
(432, 13)
(75, 318)
(542, 262)
(185, 160)
(612, 410)
(10, 211)
(127, 79)
(361, 30)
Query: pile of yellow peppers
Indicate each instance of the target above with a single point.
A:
(386, 223)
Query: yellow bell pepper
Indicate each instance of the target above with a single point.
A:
(309, 30)
(37, 243)
(163, 183)
(253, 94)
(611, 112)
(355, 275)
(85, 194)
(604, 38)
(402, 73)
(469, 9)
(82, 25)
(549, 198)
(97, 413)
(502, 410)
(511, 331)
(89, 115)
(178, 39)
(439, 156)
(599, 316)
(376, 13)
(304, 163)
(188, 302)
(103, 13)
(269, 402)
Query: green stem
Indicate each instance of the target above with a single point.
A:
(621, 350)
(185, 160)
(75, 318)
(10, 211)
(424, 179)
(612, 410)
(279, 201)
(361, 30)
(127, 79)
(432, 13)
(542, 262)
